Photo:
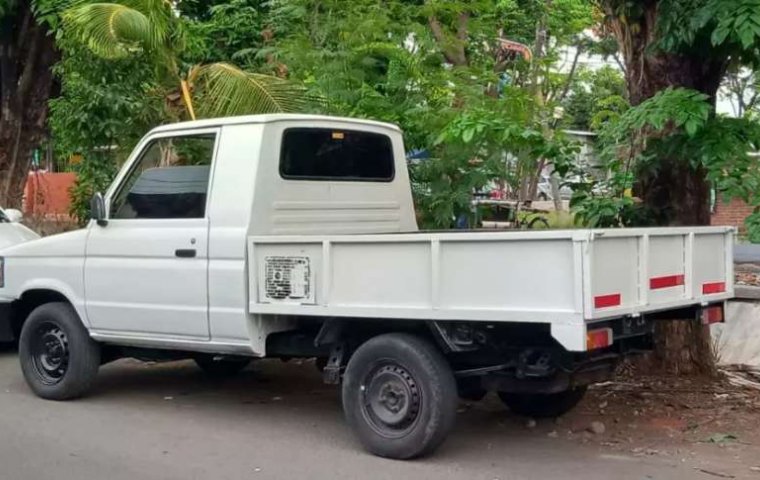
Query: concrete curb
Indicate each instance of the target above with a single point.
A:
(746, 292)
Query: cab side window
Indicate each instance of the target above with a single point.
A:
(170, 180)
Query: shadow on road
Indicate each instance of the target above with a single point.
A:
(292, 393)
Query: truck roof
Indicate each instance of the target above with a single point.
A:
(268, 118)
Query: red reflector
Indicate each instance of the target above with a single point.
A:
(715, 287)
(713, 314)
(598, 338)
(666, 282)
(605, 301)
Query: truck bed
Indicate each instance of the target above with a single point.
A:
(565, 278)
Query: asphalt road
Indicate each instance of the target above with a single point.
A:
(746, 253)
(274, 421)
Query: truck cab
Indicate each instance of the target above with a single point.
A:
(288, 236)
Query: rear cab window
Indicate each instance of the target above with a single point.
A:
(336, 155)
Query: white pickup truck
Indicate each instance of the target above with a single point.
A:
(295, 236)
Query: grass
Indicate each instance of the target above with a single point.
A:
(557, 220)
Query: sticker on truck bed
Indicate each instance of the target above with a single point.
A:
(288, 279)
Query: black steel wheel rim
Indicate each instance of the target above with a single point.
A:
(50, 353)
(391, 400)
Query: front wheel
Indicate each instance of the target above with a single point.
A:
(58, 358)
(543, 405)
(399, 396)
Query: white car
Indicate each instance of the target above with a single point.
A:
(11, 229)
(286, 236)
(12, 232)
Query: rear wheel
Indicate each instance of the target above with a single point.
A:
(58, 358)
(399, 396)
(221, 366)
(543, 405)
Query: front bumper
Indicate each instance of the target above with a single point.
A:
(6, 325)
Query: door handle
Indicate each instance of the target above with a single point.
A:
(185, 253)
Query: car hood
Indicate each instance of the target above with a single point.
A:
(60, 245)
(15, 233)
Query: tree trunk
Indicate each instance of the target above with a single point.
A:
(674, 192)
(27, 54)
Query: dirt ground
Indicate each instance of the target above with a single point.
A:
(686, 420)
(747, 274)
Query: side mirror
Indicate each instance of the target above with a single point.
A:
(98, 209)
(15, 216)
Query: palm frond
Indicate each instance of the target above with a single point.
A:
(226, 90)
(111, 30)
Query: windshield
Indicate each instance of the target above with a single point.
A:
(3, 217)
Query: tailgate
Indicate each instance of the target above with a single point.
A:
(643, 270)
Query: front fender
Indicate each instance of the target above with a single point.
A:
(61, 288)
(54, 264)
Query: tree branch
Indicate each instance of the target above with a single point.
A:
(571, 74)
(454, 54)
(435, 27)
(753, 100)
(619, 63)
(462, 21)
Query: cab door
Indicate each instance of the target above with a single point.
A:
(146, 269)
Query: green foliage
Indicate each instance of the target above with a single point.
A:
(679, 127)
(728, 23)
(669, 109)
(752, 222)
(595, 98)
(104, 107)
(93, 175)
(357, 56)
(231, 31)
(383, 60)
(680, 130)
(714, 29)
(468, 155)
(565, 18)
(371, 59)
(114, 30)
(480, 148)
(227, 90)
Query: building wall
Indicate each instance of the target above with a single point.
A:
(732, 213)
(47, 194)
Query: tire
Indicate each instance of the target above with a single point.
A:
(221, 366)
(543, 405)
(399, 396)
(58, 358)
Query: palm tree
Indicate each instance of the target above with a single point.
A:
(114, 30)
